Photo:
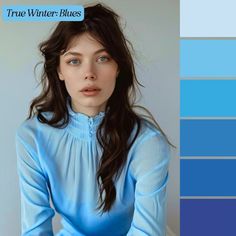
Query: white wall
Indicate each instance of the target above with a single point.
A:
(153, 28)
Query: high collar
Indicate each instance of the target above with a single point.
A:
(82, 125)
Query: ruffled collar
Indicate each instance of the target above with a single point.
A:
(81, 125)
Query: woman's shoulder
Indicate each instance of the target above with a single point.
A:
(31, 126)
(148, 129)
(150, 151)
(150, 137)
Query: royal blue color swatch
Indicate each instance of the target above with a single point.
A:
(207, 217)
(208, 98)
(207, 58)
(207, 137)
(208, 177)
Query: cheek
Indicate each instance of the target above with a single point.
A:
(70, 75)
(109, 73)
(68, 72)
(110, 85)
(71, 78)
(110, 81)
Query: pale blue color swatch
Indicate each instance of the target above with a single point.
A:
(207, 98)
(207, 18)
(61, 164)
(207, 58)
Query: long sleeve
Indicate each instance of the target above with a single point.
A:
(36, 213)
(149, 168)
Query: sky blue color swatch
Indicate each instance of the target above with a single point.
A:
(207, 58)
(207, 217)
(23, 13)
(207, 98)
(208, 177)
(207, 137)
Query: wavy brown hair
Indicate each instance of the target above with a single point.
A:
(114, 132)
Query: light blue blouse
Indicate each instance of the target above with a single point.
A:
(61, 164)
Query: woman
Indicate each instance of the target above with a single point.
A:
(104, 167)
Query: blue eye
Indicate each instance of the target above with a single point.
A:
(74, 62)
(103, 59)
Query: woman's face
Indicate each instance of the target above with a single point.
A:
(89, 74)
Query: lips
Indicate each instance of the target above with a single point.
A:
(90, 88)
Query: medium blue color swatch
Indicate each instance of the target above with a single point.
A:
(208, 177)
(207, 98)
(207, 137)
(207, 217)
(207, 58)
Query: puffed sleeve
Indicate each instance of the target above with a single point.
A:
(149, 168)
(36, 213)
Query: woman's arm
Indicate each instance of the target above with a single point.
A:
(36, 213)
(149, 168)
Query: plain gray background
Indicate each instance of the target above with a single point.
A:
(153, 28)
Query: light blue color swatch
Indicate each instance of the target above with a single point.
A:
(207, 98)
(207, 58)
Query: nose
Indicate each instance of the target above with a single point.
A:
(89, 72)
(90, 76)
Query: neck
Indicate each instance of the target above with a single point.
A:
(88, 111)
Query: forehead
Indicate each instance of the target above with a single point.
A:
(84, 42)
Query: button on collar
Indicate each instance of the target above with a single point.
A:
(90, 121)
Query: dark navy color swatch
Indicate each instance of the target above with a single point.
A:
(208, 217)
(207, 137)
(208, 177)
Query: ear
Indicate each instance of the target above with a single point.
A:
(60, 74)
(117, 73)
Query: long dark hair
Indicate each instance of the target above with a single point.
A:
(114, 132)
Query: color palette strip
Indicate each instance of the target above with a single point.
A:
(206, 103)
(208, 177)
(207, 58)
(208, 217)
(208, 98)
(207, 137)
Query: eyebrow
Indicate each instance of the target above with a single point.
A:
(80, 54)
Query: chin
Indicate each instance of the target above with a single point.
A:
(92, 104)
